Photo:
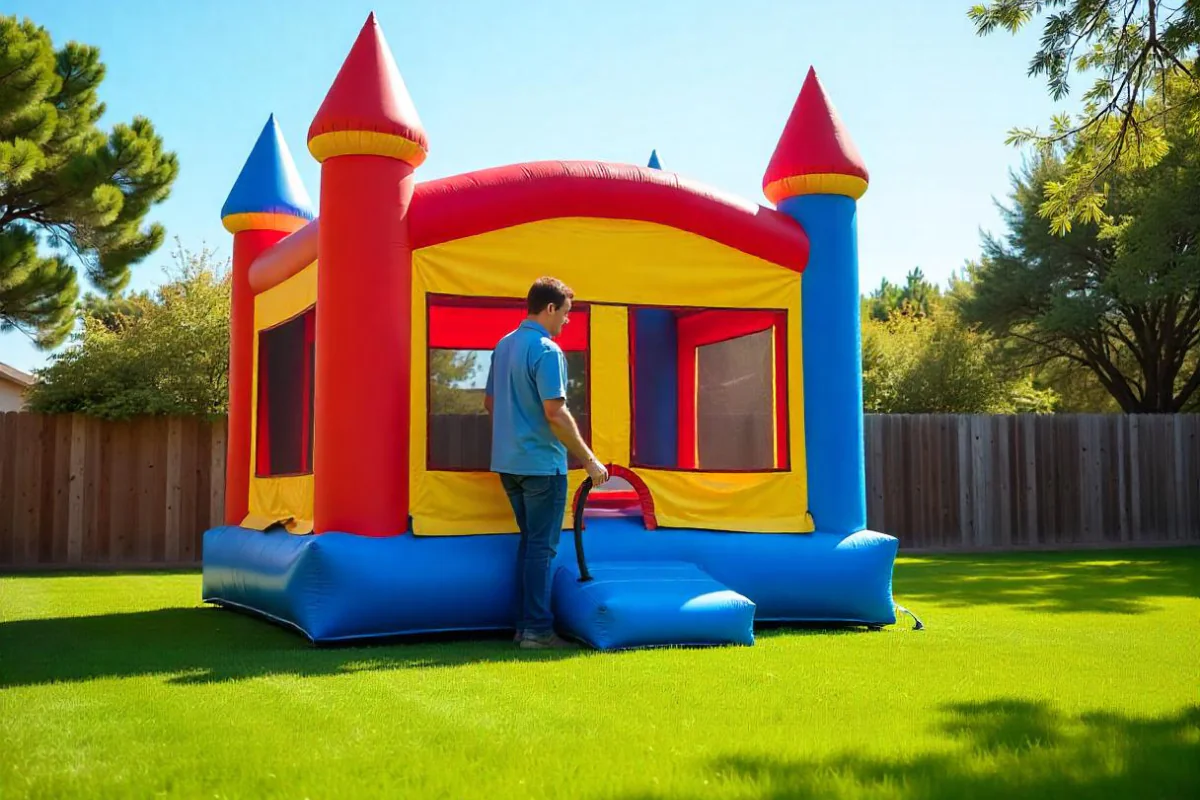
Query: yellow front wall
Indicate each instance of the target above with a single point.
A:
(279, 498)
(610, 262)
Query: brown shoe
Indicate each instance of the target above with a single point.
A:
(550, 641)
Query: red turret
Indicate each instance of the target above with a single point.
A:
(368, 139)
(815, 154)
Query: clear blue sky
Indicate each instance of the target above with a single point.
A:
(709, 84)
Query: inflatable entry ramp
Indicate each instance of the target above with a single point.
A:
(650, 604)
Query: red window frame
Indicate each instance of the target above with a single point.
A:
(696, 328)
(262, 460)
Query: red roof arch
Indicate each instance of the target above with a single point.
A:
(491, 199)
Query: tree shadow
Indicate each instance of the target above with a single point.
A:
(207, 645)
(1125, 582)
(1005, 748)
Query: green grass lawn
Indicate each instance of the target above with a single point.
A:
(1057, 676)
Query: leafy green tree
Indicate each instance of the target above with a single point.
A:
(66, 186)
(916, 296)
(935, 364)
(165, 352)
(1131, 48)
(453, 375)
(1120, 299)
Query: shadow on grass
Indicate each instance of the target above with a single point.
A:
(1125, 582)
(1006, 748)
(206, 645)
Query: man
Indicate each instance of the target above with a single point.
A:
(532, 431)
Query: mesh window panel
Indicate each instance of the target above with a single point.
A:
(460, 429)
(734, 409)
(282, 354)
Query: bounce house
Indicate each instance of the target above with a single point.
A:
(714, 354)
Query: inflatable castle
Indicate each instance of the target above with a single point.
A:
(715, 364)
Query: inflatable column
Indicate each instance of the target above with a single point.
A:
(267, 202)
(369, 140)
(816, 176)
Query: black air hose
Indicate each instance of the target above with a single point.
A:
(580, 502)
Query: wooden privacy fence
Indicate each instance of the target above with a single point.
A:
(979, 482)
(86, 492)
(81, 491)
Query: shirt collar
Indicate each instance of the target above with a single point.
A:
(533, 325)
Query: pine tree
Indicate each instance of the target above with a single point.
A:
(70, 193)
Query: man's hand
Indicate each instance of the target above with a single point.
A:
(596, 471)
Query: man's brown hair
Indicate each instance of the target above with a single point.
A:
(547, 291)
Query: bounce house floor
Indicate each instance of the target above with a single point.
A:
(649, 588)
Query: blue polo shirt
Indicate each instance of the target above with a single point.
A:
(527, 368)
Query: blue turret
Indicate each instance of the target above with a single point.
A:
(268, 193)
(816, 176)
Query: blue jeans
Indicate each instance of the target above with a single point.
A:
(538, 502)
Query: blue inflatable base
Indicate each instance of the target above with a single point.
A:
(340, 587)
(629, 604)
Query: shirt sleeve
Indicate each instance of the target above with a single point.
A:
(490, 389)
(550, 374)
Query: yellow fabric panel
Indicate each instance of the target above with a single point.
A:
(619, 262)
(280, 498)
(609, 384)
(606, 261)
(759, 502)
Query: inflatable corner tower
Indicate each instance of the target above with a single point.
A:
(714, 361)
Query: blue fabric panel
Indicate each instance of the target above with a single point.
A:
(656, 388)
(338, 586)
(269, 181)
(833, 401)
(647, 604)
(654, 162)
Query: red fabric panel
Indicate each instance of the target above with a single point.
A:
(687, 400)
(461, 327)
(781, 391)
(717, 325)
(490, 199)
(364, 343)
(247, 247)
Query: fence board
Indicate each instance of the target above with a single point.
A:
(82, 491)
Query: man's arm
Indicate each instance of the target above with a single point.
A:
(563, 425)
